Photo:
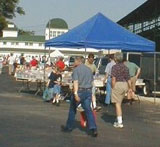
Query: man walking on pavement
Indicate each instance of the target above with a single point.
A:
(82, 87)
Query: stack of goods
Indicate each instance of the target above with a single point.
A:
(67, 78)
(98, 80)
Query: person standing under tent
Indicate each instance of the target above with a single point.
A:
(108, 78)
(134, 72)
(22, 59)
(121, 84)
(60, 64)
(33, 63)
(89, 63)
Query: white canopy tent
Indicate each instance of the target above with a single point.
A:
(56, 53)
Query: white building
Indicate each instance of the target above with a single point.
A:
(12, 42)
(10, 31)
(56, 27)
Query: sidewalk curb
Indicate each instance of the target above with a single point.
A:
(150, 99)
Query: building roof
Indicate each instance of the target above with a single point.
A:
(147, 11)
(10, 28)
(57, 23)
(26, 38)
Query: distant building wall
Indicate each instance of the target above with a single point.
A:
(25, 45)
(8, 33)
(54, 33)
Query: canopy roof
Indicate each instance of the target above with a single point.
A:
(101, 33)
(56, 53)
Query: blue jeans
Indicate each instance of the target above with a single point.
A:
(85, 100)
(56, 89)
(108, 89)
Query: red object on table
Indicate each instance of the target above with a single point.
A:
(34, 62)
(60, 64)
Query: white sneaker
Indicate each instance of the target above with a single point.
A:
(117, 125)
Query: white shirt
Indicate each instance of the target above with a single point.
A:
(109, 67)
(11, 60)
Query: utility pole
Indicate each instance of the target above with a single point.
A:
(155, 57)
(49, 35)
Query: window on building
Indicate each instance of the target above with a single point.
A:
(4, 43)
(54, 34)
(12, 43)
(30, 44)
(40, 44)
(158, 21)
(26, 43)
(145, 26)
(58, 33)
(138, 28)
(17, 43)
(152, 24)
(130, 27)
(51, 34)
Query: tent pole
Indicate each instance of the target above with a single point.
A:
(154, 78)
(85, 53)
(44, 70)
(108, 52)
(49, 35)
(127, 58)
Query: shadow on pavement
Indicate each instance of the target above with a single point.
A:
(108, 118)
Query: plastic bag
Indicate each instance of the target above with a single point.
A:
(48, 94)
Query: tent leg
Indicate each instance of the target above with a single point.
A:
(154, 78)
(127, 58)
(44, 70)
(85, 53)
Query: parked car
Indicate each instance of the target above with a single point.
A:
(148, 73)
(101, 63)
(71, 60)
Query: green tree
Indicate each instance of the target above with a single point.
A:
(22, 32)
(8, 10)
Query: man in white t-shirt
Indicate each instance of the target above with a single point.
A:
(11, 61)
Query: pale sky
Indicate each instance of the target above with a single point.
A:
(74, 12)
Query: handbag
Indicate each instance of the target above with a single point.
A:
(47, 94)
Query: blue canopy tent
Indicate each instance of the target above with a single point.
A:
(101, 33)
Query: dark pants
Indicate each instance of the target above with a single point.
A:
(85, 100)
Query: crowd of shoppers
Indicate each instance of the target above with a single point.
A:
(121, 76)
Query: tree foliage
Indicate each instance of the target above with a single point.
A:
(22, 32)
(8, 10)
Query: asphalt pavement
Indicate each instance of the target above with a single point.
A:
(27, 121)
